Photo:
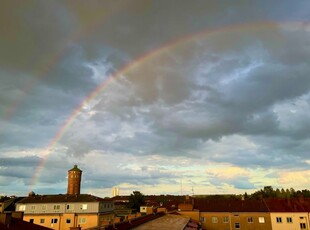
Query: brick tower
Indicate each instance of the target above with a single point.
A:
(74, 181)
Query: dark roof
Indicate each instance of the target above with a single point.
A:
(288, 205)
(18, 224)
(5, 198)
(229, 205)
(75, 168)
(12, 203)
(62, 198)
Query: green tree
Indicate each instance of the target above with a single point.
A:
(268, 191)
(136, 199)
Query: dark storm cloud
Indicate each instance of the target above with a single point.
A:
(148, 177)
(30, 161)
(31, 31)
(244, 81)
(236, 95)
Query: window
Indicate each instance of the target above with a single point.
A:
(302, 225)
(250, 219)
(42, 221)
(279, 219)
(69, 206)
(68, 221)
(261, 220)
(289, 220)
(214, 219)
(82, 220)
(84, 206)
(54, 221)
(237, 225)
(22, 208)
(33, 208)
(225, 219)
(43, 207)
(203, 219)
(31, 220)
(56, 206)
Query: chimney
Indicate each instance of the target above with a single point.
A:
(5, 218)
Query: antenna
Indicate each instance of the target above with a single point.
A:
(192, 190)
(181, 188)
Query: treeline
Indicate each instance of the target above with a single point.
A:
(270, 192)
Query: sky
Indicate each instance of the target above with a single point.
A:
(163, 97)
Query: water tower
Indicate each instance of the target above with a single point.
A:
(74, 181)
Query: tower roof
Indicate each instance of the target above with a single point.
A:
(75, 168)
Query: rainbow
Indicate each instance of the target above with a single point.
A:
(260, 26)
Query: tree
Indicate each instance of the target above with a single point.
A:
(268, 191)
(136, 199)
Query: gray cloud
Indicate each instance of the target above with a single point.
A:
(242, 78)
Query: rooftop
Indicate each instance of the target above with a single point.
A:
(75, 168)
(229, 205)
(171, 222)
(288, 205)
(62, 198)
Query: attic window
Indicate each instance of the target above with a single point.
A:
(279, 219)
(56, 206)
(289, 219)
(261, 220)
(214, 219)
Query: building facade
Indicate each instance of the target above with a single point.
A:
(289, 214)
(61, 212)
(263, 214)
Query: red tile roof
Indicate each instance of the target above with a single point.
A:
(288, 205)
(229, 205)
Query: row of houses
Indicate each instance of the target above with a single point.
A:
(262, 214)
(83, 211)
(63, 212)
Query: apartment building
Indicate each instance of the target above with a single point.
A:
(60, 212)
(262, 214)
(64, 211)
(289, 214)
(228, 214)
